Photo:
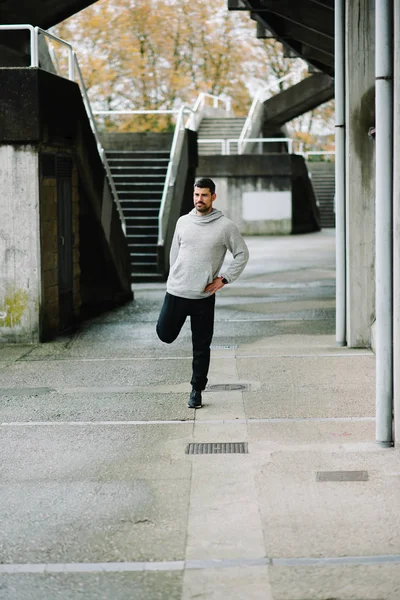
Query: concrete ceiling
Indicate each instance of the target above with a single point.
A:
(305, 27)
(44, 13)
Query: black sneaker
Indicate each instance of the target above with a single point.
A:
(195, 399)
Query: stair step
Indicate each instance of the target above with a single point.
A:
(143, 266)
(143, 248)
(143, 259)
(147, 278)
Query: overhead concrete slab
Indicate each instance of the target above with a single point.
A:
(44, 13)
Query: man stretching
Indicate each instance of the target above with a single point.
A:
(198, 249)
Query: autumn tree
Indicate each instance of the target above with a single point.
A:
(159, 54)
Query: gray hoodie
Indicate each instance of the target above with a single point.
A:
(198, 251)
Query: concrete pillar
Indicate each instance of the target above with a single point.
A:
(19, 244)
(360, 170)
(396, 226)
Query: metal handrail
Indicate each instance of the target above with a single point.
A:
(71, 53)
(216, 99)
(256, 102)
(137, 112)
(100, 148)
(34, 53)
(226, 143)
(172, 167)
(289, 142)
(73, 68)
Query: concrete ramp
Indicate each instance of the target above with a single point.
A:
(297, 100)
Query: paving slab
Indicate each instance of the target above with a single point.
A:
(312, 401)
(47, 405)
(61, 374)
(92, 586)
(372, 582)
(251, 583)
(304, 517)
(86, 500)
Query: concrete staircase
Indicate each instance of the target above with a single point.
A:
(139, 177)
(322, 176)
(217, 128)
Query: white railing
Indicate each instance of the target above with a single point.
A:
(257, 105)
(227, 143)
(73, 70)
(34, 45)
(216, 101)
(172, 169)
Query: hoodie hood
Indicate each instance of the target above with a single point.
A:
(212, 216)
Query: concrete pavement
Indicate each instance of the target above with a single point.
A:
(100, 501)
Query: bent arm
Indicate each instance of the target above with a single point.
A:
(238, 248)
(174, 251)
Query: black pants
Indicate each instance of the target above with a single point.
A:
(172, 317)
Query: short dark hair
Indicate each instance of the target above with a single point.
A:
(205, 182)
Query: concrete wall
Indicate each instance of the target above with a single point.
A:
(41, 113)
(20, 273)
(263, 194)
(258, 205)
(360, 169)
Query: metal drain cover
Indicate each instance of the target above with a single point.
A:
(342, 475)
(218, 448)
(224, 347)
(227, 387)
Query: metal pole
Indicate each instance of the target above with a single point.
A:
(384, 219)
(34, 48)
(71, 64)
(396, 231)
(340, 174)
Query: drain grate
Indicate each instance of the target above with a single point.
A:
(218, 448)
(342, 475)
(227, 387)
(224, 347)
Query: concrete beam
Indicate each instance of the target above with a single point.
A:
(44, 13)
(312, 16)
(313, 39)
(297, 100)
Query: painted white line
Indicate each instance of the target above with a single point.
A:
(92, 567)
(327, 355)
(273, 318)
(186, 422)
(333, 560)
(91, 423)
(101, 359)
(180, 565)
(309, 420)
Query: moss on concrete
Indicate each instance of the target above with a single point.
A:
(12, 307)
